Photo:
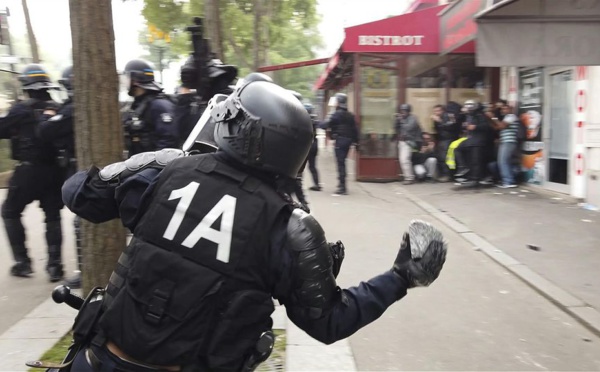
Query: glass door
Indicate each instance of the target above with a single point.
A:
(560, 123)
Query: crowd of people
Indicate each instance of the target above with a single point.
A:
(474, 144)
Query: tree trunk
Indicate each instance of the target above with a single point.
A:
(32, 42)
(99, 136)
(257, 34)
(213, 26)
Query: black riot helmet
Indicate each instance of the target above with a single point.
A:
(66, 79)
(253, 76)
(341, 100)
(309, 108)
(263, 126)
(35, 77)
(405, 107)
(139, 73)
(297, 95)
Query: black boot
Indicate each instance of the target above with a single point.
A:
(54, 267)
(16, 236)
(341, 190)
(21, 269)
(54, 240)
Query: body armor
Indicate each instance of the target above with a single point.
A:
(192, 287)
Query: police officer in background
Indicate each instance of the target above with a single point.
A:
(345, 132)
(314, 150)
(189, 103)
(149, 123)
(195, 294)
(37, 174)
(57, 128)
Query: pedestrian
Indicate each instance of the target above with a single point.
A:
(409, 135)
(149, 123)
(37, 174)
(447, 127)
(508, 128)
(314, 150)
(425, 161)
(344, 132)
(56, 127)
(478, 129)
(195, 294)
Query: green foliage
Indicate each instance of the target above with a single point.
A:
(284, 31)
(57, 352)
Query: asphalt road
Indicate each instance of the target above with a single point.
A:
(476, 316)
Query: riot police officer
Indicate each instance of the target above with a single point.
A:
(345, 132)
(57, 128)
(149, 124)
(214, 241)
(190, 104)
(37, 174)
(314, 150)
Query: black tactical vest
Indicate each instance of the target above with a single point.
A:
(140, 133)
(25, 144)
(193, 286)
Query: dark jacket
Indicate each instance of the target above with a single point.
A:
(342, 124)
(448, 128)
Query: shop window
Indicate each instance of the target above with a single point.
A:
(378, 106)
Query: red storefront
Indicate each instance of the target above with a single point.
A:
(395, 60)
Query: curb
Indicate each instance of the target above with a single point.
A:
(588, 316)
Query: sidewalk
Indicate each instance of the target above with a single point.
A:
(548, 235)
(495, 315)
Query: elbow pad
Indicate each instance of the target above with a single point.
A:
(315, 287)
(117, 172)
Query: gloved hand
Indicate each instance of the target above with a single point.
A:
(189, 74)
(421, 256)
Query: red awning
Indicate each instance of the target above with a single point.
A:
(332, 65)
(457, 26)
(416, 32)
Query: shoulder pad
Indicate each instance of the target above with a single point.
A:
(315, 287)
(304, 232)
(156, 159)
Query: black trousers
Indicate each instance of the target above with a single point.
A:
(312, 162)
(27, 184)
(342, 147)
(442, 152)
(476, 159)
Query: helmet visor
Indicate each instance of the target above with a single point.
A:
(202, 137)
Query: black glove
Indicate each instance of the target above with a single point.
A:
(337, 250)
(189, 74)
(421, 256)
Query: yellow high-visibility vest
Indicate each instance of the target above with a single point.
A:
(450, 161)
